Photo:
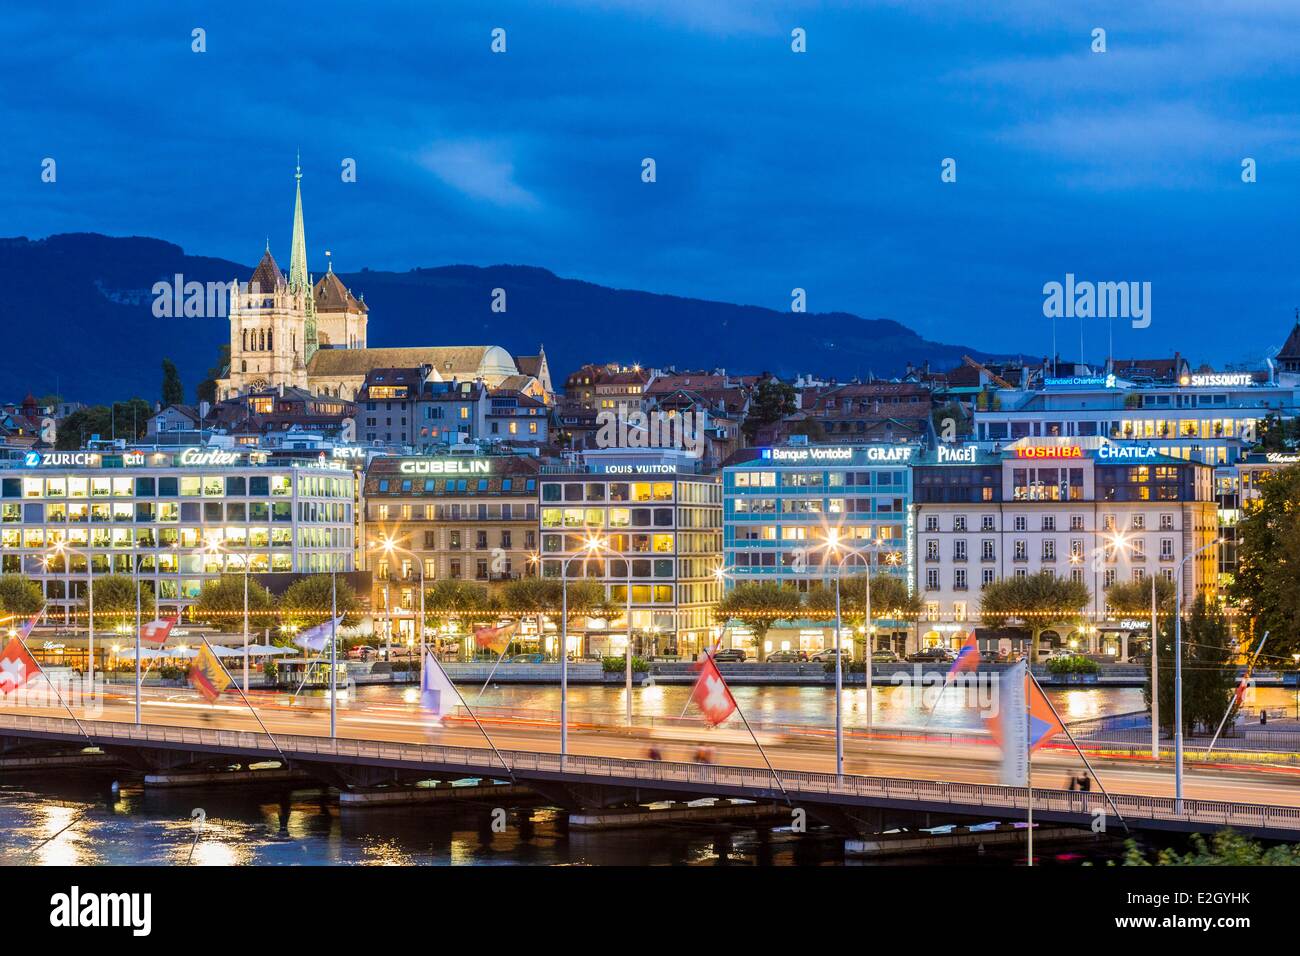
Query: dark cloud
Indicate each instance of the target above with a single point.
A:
(775, 170)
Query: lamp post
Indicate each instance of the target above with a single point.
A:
(834, 545)
(390, 546)
(1178, 677)
(1296, 658)
(590, 548)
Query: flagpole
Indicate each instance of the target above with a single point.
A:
(1155, 676)
(424, 663)
(1029, 777)
(253, 710)
(491, 672)
(763, 752)
(334, 651)
(55, 687)
(135, 567)
(1245, 677)
(1082, 755)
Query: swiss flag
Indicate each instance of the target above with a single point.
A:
(711, 693)
(155, 632)
(16, 667)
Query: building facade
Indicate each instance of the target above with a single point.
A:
(782, 506)
(662, 530)
(463, 518)
(156, 514)
(1095, 511)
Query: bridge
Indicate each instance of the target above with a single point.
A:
(613, 771)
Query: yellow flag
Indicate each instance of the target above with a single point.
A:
(208, 676)
(497, 639)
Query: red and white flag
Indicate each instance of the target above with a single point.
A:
(16, 667)
(711, 693)
(156, 632)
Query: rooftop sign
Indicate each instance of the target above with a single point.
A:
(844, 454)
(1092, 381)
(1050, 451)
(446, 466)
(1226, 380)
(1125, 453)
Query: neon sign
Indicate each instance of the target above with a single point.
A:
(1050, 451)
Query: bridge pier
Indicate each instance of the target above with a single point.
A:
(497, 794)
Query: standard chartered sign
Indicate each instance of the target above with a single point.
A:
(446, 466)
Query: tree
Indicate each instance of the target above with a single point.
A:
(529, 597)
(771, 402)
(221, 604)
(1133, 598)
(207, 389)
(306, 602)
(1208, 669)
(115, 599)
(1226, 848)
(173, 392)
(129, 420)
(890, 601)
(1267, 583)
(20, 595)
(758, 605)
(452, 600)
(1038, 601)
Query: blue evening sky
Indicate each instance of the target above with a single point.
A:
(775, 169)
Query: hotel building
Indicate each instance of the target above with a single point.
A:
(662, 525)
(1089, 509)
(462, 518)
(153, 513)
(780, 505)
(1210, 418)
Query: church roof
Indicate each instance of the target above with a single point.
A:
(456, 361)
(267, 276)
(1291, 348)
(332, 295)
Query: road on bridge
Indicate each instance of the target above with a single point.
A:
(887, 753)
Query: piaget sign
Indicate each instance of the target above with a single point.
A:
(446, 466)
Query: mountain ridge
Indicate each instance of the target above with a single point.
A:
(94, 293)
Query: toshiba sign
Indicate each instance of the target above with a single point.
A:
(1050, 451)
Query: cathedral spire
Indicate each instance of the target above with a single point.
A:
(298, 249)
(299, 281)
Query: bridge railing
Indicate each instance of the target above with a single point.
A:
(755, 782)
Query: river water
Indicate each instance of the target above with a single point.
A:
(93, 817)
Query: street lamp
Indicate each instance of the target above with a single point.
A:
(389, 546)
(590, 547)
(834, 547)
(1178, 676)
(1296, 658)
(62, 549)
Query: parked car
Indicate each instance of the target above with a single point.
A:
(787, 657)
(526, 659)
(729, 655)
(884, 657)
(362, 652)
(930, 655)
(827, 655)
